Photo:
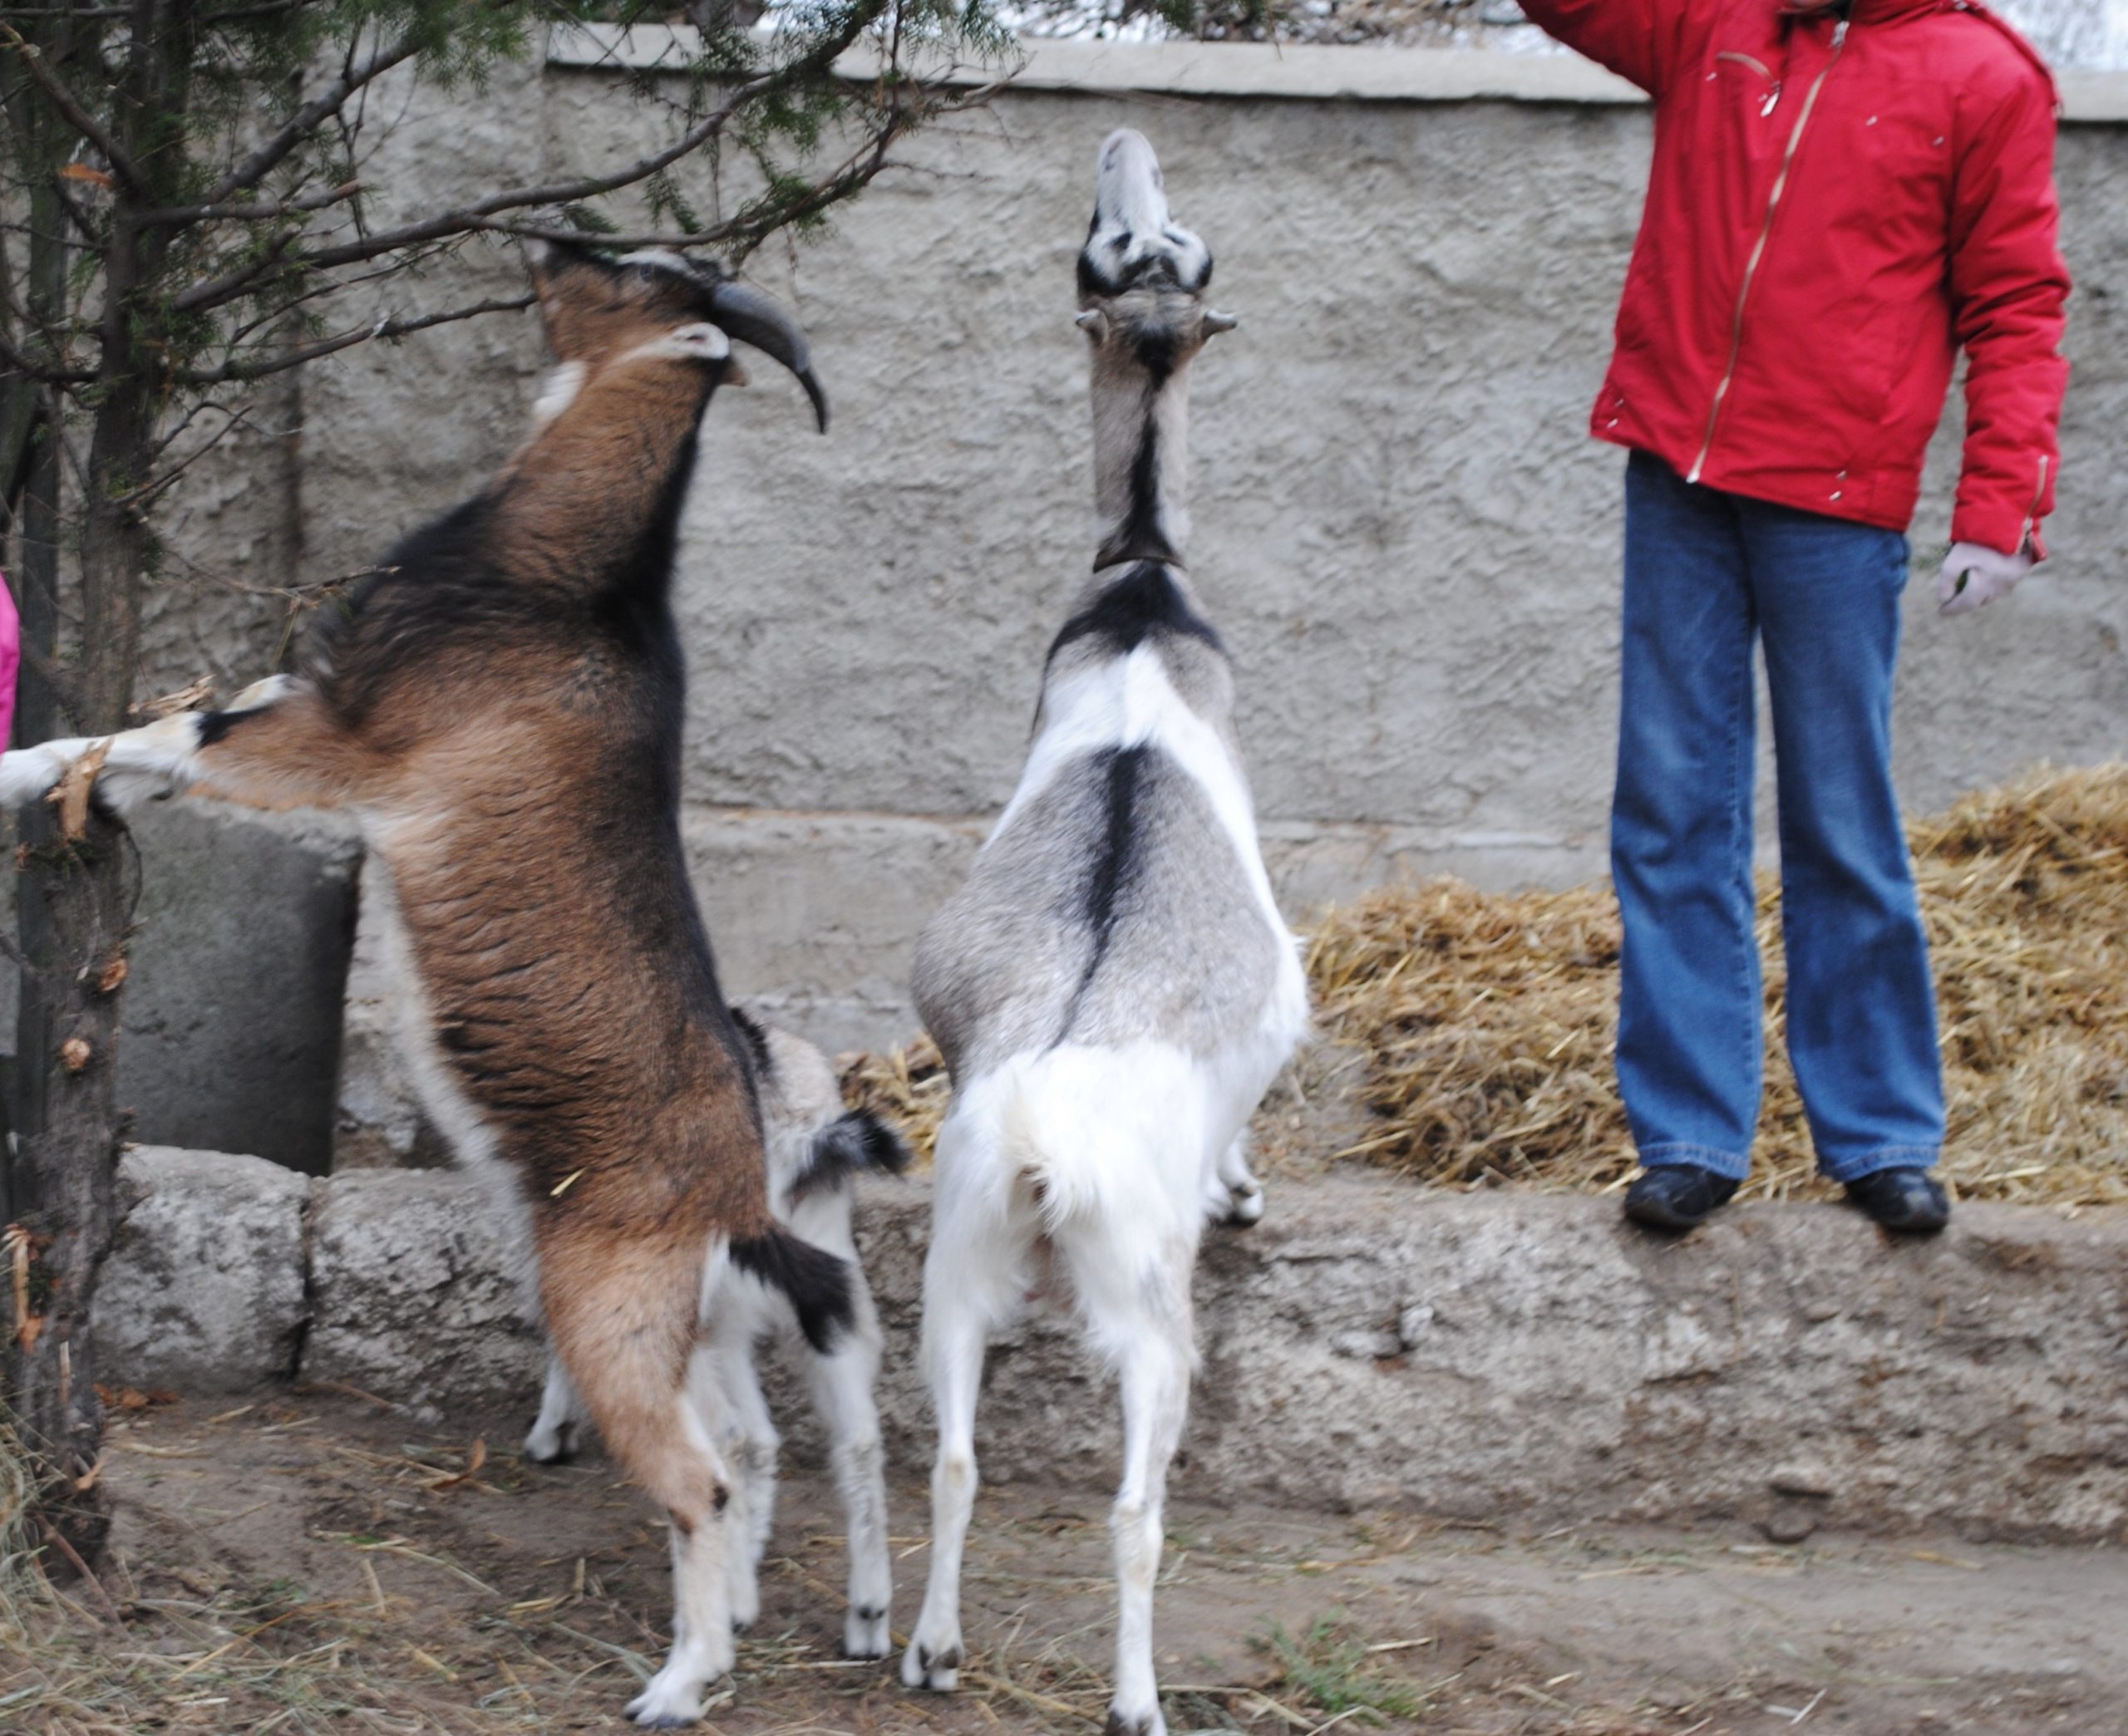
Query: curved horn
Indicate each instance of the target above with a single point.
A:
(751, 317)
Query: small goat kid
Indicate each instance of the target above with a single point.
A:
(814, 1147)
(502, 704)
(1113, 990)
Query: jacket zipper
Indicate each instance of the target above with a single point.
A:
(1765, 71)
(1758, 247)
(2038, 494)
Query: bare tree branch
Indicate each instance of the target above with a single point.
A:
(177, 216)
(393, 327)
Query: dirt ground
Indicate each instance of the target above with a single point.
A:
(320, 1564)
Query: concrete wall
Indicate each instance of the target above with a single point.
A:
(1407, 540)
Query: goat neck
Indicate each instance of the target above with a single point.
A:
(1142, 281)
(610, 469)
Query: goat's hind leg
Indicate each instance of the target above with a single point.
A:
(841, 1383)
(625, 1328)
(1239, 1197)
(966, 1277)
(1137, 1306)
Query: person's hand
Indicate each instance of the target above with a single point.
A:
(1973, 575)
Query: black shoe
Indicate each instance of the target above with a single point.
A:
(1912, 1201)
(1676, 1196)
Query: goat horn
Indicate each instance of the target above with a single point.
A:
(751, 317)
(1216, 322)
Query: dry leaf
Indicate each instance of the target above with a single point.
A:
(116, 971)
(83, 172)
(476, 1456)
(75, 1054)
(72, 795)
(132, 1398)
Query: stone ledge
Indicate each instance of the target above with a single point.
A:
(1468, 1355)
(1287, 72)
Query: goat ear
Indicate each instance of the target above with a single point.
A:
(1216, 322)
(1094, 323)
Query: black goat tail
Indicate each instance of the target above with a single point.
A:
(816, 1281)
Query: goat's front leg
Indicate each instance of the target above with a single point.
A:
(276, 745)
(725, 1392)
(842, 1382)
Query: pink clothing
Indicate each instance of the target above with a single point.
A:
(10, 657)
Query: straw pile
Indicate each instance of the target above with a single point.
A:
(1486, 1020)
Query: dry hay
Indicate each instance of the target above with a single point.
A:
(1486, 1020)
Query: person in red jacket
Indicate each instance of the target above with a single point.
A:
(1843, 197)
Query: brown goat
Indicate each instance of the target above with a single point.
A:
(501, 705)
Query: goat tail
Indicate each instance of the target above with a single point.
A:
(1061, 1191)
(857, 1139)
(817, 1283)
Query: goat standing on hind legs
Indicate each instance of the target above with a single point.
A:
(501, 705)
(1114, 989)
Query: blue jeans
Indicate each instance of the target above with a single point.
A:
(1707, 572)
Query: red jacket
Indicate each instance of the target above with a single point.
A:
(1836, 207)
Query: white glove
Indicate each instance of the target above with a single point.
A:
(1973, 576)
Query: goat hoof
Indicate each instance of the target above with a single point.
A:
(669, 1709)
(551, 1447)
(865, 1633)
(939, 1671)
(1245, 1208)
(1138, 1723)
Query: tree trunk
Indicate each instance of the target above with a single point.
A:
(77, 892)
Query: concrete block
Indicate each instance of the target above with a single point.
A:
(231, 1024)
(205, 1291)
(416, 1291)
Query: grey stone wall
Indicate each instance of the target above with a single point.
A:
(1402, 528)
(1367, 1345)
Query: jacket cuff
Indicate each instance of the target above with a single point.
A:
(2004, 529)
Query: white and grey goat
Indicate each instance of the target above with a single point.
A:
(1114, 988)
(814, 1146)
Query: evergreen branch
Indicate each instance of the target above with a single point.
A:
(213, 292)
(73, 114)
(306, 119)
(20, 362)
(474, 216)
